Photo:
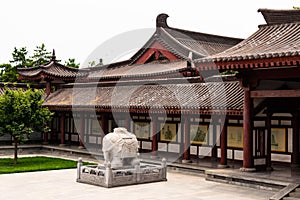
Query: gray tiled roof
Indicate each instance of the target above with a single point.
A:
(189, 96)
(125, 70)
(182, 42)
(278, 39)
(268, 42)
(280, 16)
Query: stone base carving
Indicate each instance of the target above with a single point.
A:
(106, 176)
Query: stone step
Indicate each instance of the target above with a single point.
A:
(242, 180)
(284, 192)
(297, 190)
(294, 194)
(290, 198)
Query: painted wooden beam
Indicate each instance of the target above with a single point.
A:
(274, 93)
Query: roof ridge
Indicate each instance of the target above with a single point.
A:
(110, 65)
(206, 34)
(179, 43)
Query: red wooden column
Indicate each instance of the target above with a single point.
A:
(187, 140)
(48, 87)
(154, 122)
(81, 133)
(223, 144)
(248, 163)
(62, 129)
(295, 154)
(104, 124)
(269, 133)
(214, 151)
(127, 121)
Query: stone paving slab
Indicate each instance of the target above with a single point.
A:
(61, 185)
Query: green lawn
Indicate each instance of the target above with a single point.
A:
(30, 164)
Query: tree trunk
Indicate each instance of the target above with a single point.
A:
(16, 150)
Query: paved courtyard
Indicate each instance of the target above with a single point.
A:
(61, 185)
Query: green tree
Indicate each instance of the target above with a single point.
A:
(20, 58)
(71, 63)
(41, 56)
(93, 63)
(21, 113)
(8, 73)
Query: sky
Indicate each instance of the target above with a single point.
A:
(75, 28)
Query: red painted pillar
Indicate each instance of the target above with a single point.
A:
(104, 124)
(154, 136)
(214, 151)
(81, 133)
(248, 163)
(48, 88)
(223, 144)
(187, 140)
(269, 133)
(127, 122)
(62, 129)
(295, 154)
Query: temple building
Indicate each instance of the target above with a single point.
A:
(174, 95)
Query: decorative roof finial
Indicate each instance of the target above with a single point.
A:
(190, 60)
(53, 55)
(161, 20)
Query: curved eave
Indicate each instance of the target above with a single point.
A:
(142, 110)
(44, 71)
(250, 57)
(240, 64)
(46, 75)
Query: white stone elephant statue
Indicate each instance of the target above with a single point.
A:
(120, 148)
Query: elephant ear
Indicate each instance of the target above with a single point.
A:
(107, 144)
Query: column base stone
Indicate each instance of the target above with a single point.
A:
(223, 166)
(243, 169)
(186, 161)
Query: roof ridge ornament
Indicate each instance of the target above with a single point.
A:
(53, 57)
(191, 61)
(161, 20)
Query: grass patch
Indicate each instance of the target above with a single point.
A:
(39, 163)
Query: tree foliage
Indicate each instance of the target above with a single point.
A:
(93, 63)
(8, 73)
(40, 56)
(21, 113)
(71, 63)
(20, 58)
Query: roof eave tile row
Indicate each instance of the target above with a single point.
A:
(173, 97)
